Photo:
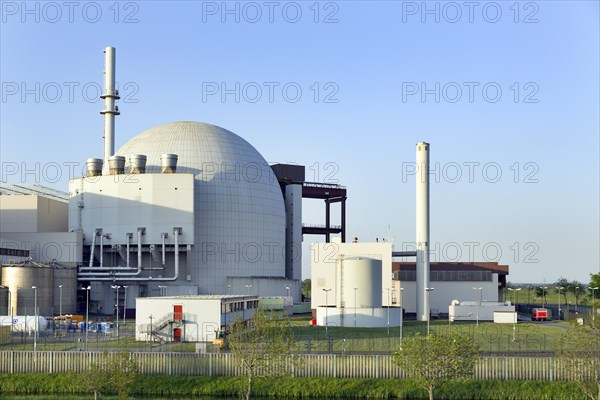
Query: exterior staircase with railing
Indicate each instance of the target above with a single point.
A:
(156, 329)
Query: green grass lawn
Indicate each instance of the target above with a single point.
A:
(489, 336)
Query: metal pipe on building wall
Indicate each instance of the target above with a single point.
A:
(92, 249)
(128, 236)
(137, 270)
(140, 231)
(101, 250)
(176, 232)
(128, 276)
(163, 237)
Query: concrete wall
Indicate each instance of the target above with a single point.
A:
(32, 213)
(119, 204)
(18, 213)
(359, 317)
(64, 247)
(470, 310)
(261, 286)
(52, 215)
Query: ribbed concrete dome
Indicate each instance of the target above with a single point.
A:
(239, 210)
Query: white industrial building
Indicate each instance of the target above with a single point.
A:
(203, 227)
(341, 285)
(189, 318)
(33, 226)
(184, 208)
(330, 263)
(352, 284)
(449, 281)
(345, 276)
(189, 208)
(33, 219)
(482, 311)
(328, 273)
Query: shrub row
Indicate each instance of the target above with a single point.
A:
(195, 386)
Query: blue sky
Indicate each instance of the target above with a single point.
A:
(495, 87)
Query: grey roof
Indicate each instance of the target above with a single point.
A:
(205, 297)
(7, 189)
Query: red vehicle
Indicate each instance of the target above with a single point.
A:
(539, 314)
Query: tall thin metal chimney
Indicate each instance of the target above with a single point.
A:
(422, 239)
(110, 95)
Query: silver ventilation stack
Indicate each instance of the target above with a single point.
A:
(116, 165)
(94, 166)
(110, 95)
(168, 163)
(137, 162)
(422, 238)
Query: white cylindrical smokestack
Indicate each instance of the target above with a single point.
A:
(110, 95)
(422, 238)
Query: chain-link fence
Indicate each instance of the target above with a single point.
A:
(491, 338)
(99, 336)
(564, 312)
(522, 337)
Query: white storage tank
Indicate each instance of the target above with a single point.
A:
(359, 282)
(25, 323)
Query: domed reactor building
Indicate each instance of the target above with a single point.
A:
(188, 208)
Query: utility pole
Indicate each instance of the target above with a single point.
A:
(479, 303)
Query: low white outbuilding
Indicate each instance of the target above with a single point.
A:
(189, 318)
(478, 311)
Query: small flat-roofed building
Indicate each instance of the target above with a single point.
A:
(470, 281)
(190, 318)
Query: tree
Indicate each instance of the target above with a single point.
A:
(261, 348)
(124, 373)
(306, 288)
(112, 371)
(564, 284)
(595, 282)
(433, 360)
(580, 358)
(541, 292)
(97, 379)
(577, 288)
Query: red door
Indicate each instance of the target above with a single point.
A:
(177, 312)
(177, 335)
